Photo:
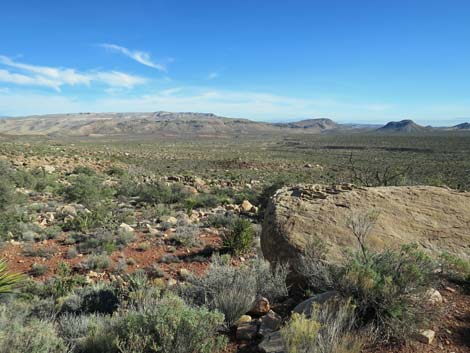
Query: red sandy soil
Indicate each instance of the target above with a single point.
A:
(452, 329)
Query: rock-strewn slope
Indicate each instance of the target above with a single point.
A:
(436, 218)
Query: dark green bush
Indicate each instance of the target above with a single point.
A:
(239, 237)
(38, 269)
(8, 195)
(155, 193)
(87, 190)
(99, 299)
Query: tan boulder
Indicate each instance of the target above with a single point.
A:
(436, 218)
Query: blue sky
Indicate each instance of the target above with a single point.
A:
(354, 61)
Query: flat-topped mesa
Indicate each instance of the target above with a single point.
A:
(436, 218)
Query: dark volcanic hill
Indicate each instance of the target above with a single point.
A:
(463, 126)
(403, 126)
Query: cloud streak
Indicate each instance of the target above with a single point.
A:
(137, 55)
(240, 104)
(55, 78)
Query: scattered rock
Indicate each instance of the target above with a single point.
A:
(434, 297)
(260, 307)
(168, 219)
(184, 273)
(49, 169)
(246, 207)
(67, 210)
(126, 228)
(247, 331)
(450, 289)
(269, 323)
(243, 319)
(306, 306)
(272, 343)
(425, 336)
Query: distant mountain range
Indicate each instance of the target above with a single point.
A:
(410, 127)
(190, 124)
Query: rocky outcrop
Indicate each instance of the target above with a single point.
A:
(436, 218)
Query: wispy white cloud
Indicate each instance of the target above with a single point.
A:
(54, 77)
(240, 104)
(137, 55)
(213, 75)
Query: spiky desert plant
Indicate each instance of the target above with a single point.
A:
(8, 280)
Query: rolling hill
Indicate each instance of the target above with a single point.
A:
(403, 126)
(157, 123)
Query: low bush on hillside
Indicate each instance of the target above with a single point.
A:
(153, 193)
(20, 334)
(187, 235)
(238, 239)
(168, 325)
(221, 220)
(87, 190)
(454, 267)
(330, 329)
(232, 290)
(388, 288)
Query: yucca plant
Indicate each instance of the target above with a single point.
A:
(8, 280)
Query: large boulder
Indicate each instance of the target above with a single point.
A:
(436, 218)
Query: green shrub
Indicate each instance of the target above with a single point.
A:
(31, 251)
(97, 262)
(87, 333)
(187, 235)
(18, 334)
(239, 238)
(8, 195)
(100, 299)
(38, 269)
(455, 267)
(170, 326)
(221, 220)
(328, 330)
(390, 288)
(83, 170)
(87, 190)
(232, 290)
(155, 193)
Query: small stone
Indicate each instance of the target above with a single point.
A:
(269, 323)
(184, 273)
(272, 343)
(168, 219)
(49, 169)
(246, 331)
(434, 297)
(260, 307)
(172, 282)
(246, 206)
(306, 306)
(242, 320)
(68, 210)
(425, 336)
(126, 228)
